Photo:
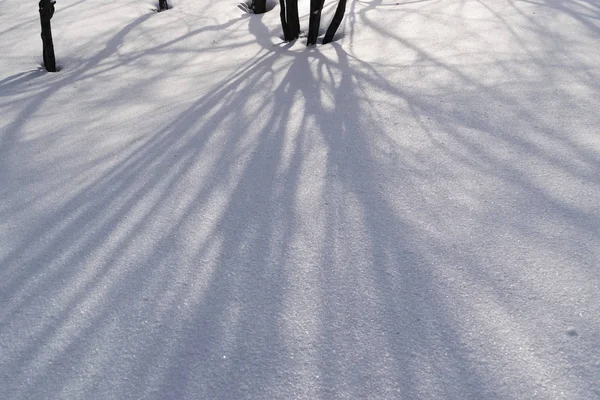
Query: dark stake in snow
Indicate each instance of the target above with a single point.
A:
(163, 5)
(335, 22)
(46, 13)
(314, 21)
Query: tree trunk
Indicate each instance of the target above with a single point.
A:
(293, 19)
(163, 5)
(314, 22)
(259, 6)
(46, 13)
(290, 22)
(335, 22)
(284, 24)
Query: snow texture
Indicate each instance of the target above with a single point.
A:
(193, 209)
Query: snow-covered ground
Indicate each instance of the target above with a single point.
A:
(193, 209)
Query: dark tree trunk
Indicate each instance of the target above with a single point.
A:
(314, 22)
(259, 6)
(282, 16)
(293, 19)
(163, 5)
(290, 22)
(335, 22)
(46, 13)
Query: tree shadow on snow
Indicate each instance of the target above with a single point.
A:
(287, 236)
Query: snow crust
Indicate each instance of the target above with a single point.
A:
(193, 209)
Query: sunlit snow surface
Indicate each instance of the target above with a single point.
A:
(193, 209)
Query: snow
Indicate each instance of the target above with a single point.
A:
(192, 208)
